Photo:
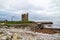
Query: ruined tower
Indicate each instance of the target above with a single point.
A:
(25, 17)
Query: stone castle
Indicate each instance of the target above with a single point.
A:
(25, 17)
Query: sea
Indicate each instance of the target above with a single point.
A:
(56, 24)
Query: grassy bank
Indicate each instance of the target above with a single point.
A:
(17, 22)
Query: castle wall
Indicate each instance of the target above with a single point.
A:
(25, 17)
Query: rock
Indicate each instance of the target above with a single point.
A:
(14, 36)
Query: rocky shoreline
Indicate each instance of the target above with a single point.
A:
(33, 27)
(20, 34)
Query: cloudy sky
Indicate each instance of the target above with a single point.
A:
(37, 9)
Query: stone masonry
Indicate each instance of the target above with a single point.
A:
(25, 17)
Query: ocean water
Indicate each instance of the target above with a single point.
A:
(56, 24)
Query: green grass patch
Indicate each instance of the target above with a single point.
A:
(17, 22)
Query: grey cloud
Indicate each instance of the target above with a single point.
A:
(25, 6)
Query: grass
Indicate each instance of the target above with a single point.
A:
(17, 22)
